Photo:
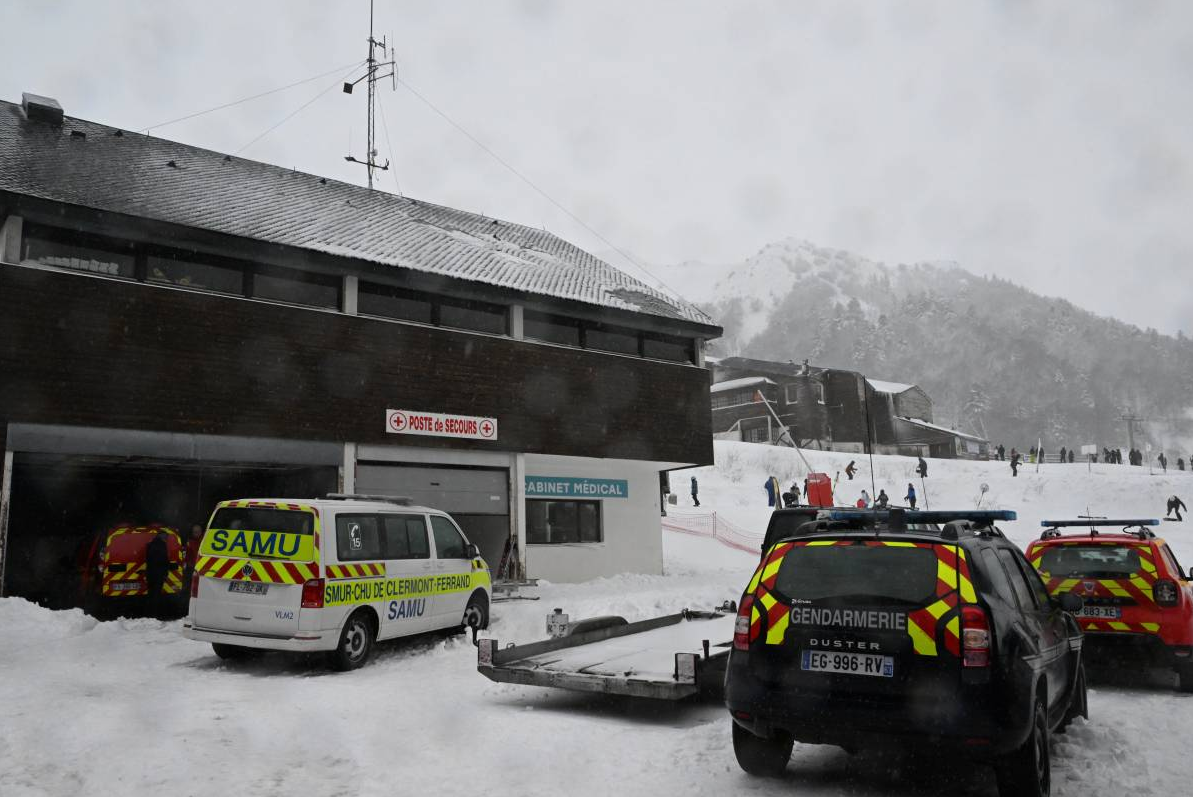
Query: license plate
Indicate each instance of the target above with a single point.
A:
(1100, 612)
(248, 587)
(126, 586)
(849, 663)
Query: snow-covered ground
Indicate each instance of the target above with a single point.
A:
(132, 707)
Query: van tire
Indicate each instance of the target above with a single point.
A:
(233, 652)
(356, 642)
(476, 613)
(763, 757)
(1027, 771)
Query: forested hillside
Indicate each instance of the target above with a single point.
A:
(996, 358)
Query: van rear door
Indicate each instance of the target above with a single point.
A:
(859, 618)
(252, 564)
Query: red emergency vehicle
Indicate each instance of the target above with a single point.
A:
(112, 565)
(1135, 594)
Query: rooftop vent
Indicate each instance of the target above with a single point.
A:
(41, 109)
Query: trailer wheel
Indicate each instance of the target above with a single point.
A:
(764, 757)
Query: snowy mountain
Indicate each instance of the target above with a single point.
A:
(996, 358)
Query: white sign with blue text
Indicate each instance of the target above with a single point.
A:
(569, 487)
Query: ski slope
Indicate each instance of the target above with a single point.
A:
(133, 707)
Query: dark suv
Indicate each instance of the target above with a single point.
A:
(904, 629)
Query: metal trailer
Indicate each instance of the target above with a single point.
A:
(666, 658)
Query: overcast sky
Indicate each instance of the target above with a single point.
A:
(1048, 143)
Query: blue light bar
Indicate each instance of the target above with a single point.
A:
(925, 515)
(1096, 522)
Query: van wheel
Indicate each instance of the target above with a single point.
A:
(1027, 772)
(233, 652)
(356, 642)
(1078, 705)
(764, 757)
(1184, 677)
(476, 613)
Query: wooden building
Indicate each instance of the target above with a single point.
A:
(180, 326)
(829, 409)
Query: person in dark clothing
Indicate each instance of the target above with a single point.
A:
(1031, 452)
(157, 565)
(774, 493)
(795, 491)
(695, 492)
(790, 499)
(1180, 464)
(1040, 454)
(1014, 462)
(882, 501)
(922, 469)
(910, 497)
(1001, 453)
(850, 469)
(1072, 456)
(1175, 505)
(1063, 453)
(1163, 460)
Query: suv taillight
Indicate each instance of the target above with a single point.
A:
(312, 594)
(1165, 593)
(975, 637)
(195, 585)
(741, 628)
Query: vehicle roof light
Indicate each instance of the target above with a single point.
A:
(925, 516)
(1095, 522)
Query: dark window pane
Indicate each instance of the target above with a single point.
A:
(295, 287)
(357, 538)
(1018, 582)
(858, 573)
(406, 537)
(561, 522)
(191, 274)
(388, 302)
(285, 521)
(680, 350)
(80, 256)
(477, 316)
(551, 328)
(622, 341)
(448, 542)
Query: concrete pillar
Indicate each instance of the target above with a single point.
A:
(10, 239)
(518, 510)
(5, 501)
(350, 295)
(348, 469)
(517, 326)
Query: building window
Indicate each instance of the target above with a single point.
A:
(818, 392)
(666, 347)
(191, 274)
(387, 302)
(557, 522)
(296, 287)
(755, 435)
(48, 247)
(474, 316)
(550, 328)
(614, 339)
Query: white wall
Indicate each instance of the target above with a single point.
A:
(633, 537)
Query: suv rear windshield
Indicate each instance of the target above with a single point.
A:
(287, 521)
(1090, 560)
(815, 573)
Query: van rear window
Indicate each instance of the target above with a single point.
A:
(858, 571)
(1095, 561)
(287, 521)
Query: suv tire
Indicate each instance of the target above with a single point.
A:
(764, 757)
(1027, 772)
(1078, 704)
(356, 642)
(1184, 677)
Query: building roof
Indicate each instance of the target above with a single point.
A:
(96, 166)
(735, 384)
(938, 428)
(888, 387)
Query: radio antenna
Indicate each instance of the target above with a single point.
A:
(373, 66)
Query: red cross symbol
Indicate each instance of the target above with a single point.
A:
(486, 429)
(397, 421)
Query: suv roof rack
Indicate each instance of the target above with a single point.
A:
(1134, 526)
(896, 519)
(400, 500)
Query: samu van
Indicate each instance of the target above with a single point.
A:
(333, 575)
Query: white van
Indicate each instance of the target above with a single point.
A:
(332, 574)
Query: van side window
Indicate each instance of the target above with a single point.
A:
(405, 537)
(357, 538)
(1018, 582)
(448, 542)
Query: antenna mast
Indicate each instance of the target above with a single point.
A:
(373, 66)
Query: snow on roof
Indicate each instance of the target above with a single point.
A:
(939, 428)
(734, 384)
(888, 387)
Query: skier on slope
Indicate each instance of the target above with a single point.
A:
(850, 469)
(1175, 505)
(910, 497)
(1014, 462)
(921, 469)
